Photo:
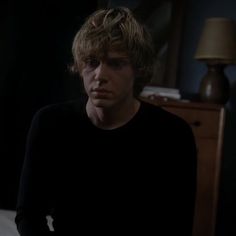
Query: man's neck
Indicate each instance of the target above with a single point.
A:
(111, 118)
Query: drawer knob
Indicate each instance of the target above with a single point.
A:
(196, 123)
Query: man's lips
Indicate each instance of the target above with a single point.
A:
(101, 92)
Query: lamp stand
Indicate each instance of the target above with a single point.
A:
(214, 87)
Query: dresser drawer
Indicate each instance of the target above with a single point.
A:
(205, 123)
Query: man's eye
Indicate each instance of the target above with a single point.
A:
(117, 64)
(93, 63)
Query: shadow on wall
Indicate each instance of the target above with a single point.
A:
(232, 103)
(227, 206)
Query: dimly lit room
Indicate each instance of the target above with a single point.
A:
(194, 78)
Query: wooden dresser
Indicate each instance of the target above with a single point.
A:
(207, 122)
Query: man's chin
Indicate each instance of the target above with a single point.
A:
(102, 103)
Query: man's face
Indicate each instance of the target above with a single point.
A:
(108, 81)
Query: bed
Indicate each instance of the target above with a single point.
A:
(7, 223)
(8, 226)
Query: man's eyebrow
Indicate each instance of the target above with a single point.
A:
(118, 58)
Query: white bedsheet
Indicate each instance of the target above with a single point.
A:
(7, 223)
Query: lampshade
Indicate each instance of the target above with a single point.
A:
(218, 41)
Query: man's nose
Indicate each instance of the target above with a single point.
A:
(101, 71)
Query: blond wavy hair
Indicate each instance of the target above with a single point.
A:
(115, 29)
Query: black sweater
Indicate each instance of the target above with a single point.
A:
(139, 178)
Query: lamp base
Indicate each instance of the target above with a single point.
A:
(214, 87)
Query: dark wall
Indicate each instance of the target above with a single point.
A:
(35, 50)
(191, 72)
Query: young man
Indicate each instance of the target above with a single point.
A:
(114, 165)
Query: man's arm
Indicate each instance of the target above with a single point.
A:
(33, 202)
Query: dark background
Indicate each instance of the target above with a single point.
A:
(35, 51)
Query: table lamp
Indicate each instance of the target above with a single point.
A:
(217, 48)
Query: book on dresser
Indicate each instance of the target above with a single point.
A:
(151, 92)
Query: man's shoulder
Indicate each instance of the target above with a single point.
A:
(65, 107)
(159, 116)
(168, 126)
(59, 111)
(156, 111)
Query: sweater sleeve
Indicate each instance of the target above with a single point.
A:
(34, 196)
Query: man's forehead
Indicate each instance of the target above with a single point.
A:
(110, 54)
(117, 54)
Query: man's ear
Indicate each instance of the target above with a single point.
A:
(80, 69)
